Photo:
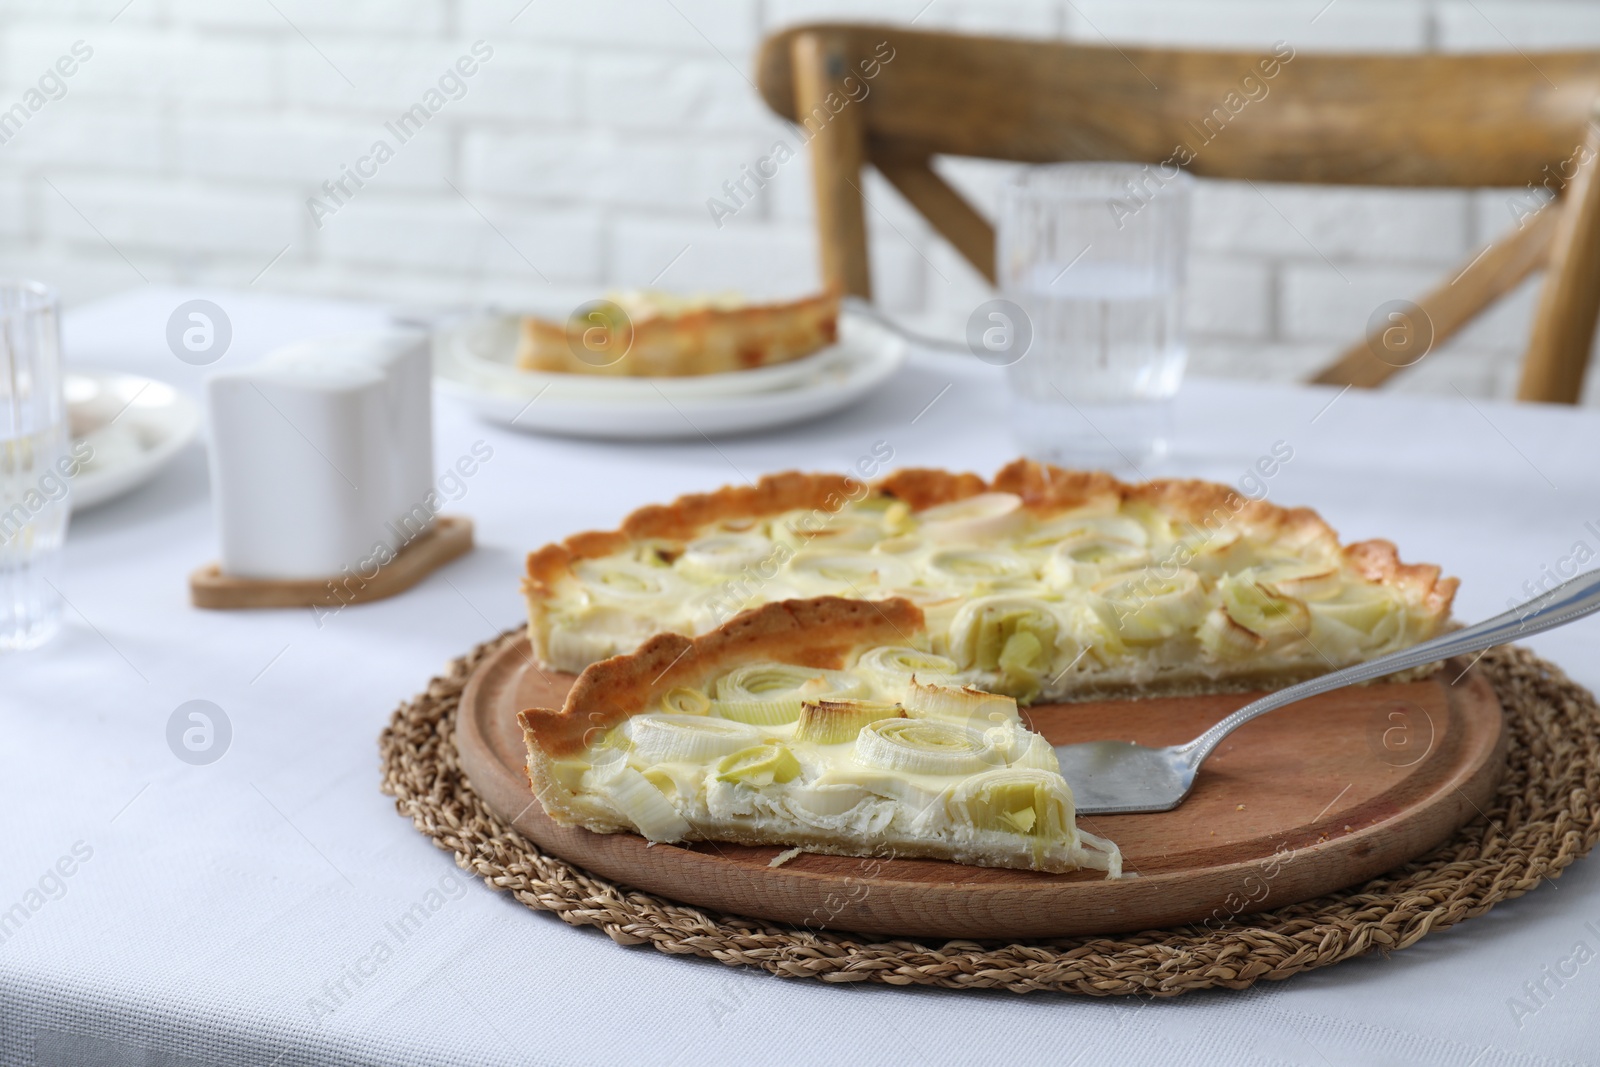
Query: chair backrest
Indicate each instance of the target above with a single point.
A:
(896, 97)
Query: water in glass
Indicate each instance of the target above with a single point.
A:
(1099, 274)
(34, 438)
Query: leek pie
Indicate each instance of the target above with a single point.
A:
(824, 724)
(656, 335)
(1043, 584)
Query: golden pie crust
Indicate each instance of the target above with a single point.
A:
(1045, 491)
(824, 632)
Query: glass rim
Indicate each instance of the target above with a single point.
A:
(1055, 179)
(37, 296)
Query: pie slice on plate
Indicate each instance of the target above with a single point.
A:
(821, 724)
(654, 335)
(1044, 584)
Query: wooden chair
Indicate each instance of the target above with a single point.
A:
(1414, 120)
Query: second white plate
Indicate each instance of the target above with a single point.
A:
(134, 427)
(482, 349)
(866, 355)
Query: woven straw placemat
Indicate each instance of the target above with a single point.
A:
(1546, 814)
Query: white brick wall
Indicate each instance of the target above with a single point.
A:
(583, 152)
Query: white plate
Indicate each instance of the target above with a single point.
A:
(866, 355)
(482, 350)
(134, 425)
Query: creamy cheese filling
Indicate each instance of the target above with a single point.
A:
(1027, 605)
(891, 754)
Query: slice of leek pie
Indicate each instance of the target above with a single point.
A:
(822, 724)
(1044, 584)
(657, 335)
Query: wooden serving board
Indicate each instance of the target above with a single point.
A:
(1299, 803)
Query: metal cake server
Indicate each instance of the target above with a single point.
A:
(1119, 777)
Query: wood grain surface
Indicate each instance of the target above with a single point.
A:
(1563, 323)
(1299, 803)
(1266, 114)
(450, 537)
(1444, 310)
(836, 149)
(896, 97)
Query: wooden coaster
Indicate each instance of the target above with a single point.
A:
(451, 536)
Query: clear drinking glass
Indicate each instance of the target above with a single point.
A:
(34, 439)
(1094, 254)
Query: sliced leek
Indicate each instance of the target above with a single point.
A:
(1365, 610)
(678, 782)
(901, 545)
(1116, 528)
(763, 764)
(833, 722)
(1034, 804)
(1015, 637)
(985, 517)
(685, 738)
(916, 792)
(824, 803)
(1037, 754)
(1359, 619)
(858, 572)
(1226, 640)
(1153, 605)
(599, 633)
(647, 807)
(1308, 582)
(685, 701)
(774, 711)
(726, 553)
(623, 579)
(1015, 800)
(1086, 559)
(966, 567)
(832, 529)
(892, 669)
(924, 746)
(1262, 612)
(770, 694)
(962, 706)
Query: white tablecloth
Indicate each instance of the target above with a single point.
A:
(213, 912)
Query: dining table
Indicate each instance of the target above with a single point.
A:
(183, 912)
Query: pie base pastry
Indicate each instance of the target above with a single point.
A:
(1043, 584)
(822, 724)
